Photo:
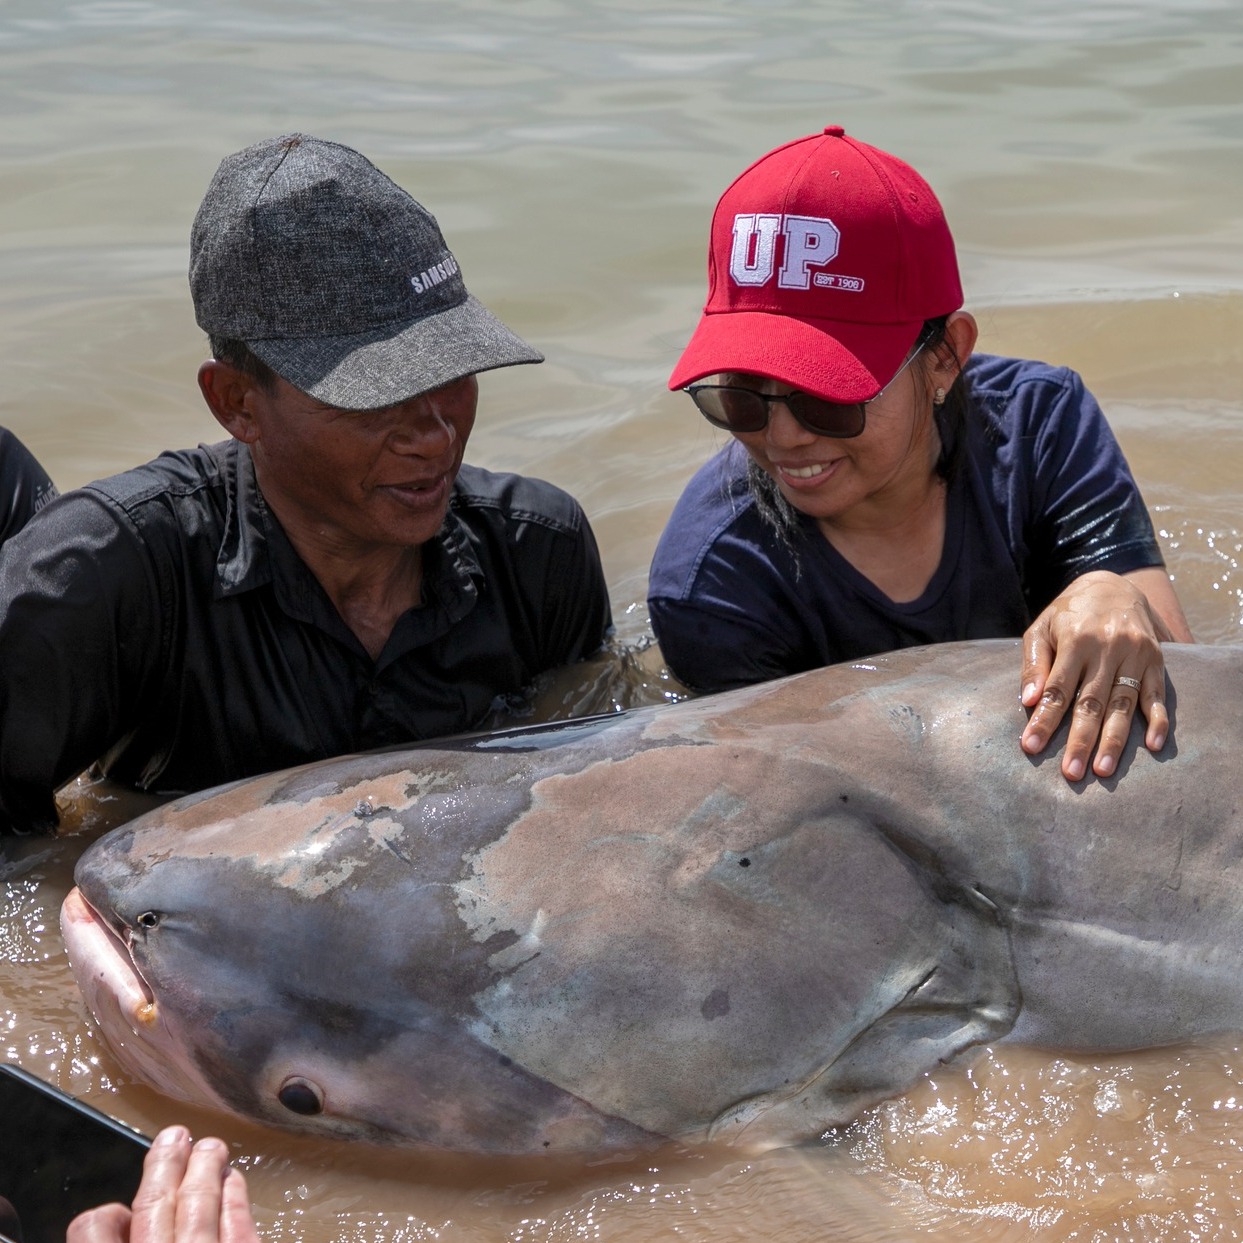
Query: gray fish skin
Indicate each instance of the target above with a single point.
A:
(744, 917)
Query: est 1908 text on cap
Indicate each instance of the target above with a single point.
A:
(826, 257)
(336, 278)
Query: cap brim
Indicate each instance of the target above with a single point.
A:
(838, 361)
(367, 370)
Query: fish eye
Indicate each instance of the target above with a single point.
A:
(300, 1096)
(148, 919)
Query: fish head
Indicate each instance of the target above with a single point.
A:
(263, 973)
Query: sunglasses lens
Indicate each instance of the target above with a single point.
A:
(734, 409)
(828, 418)
(745, 410)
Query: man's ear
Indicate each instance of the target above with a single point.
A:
(229, 394)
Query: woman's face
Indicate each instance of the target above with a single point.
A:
(832, 479)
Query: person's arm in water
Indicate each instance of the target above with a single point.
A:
(188, 1194)
(1101, 599)
(24, 485)
(1082, 654)
(80, 615)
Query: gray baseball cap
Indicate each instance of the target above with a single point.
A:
(336, 278)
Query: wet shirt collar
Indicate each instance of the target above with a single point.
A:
(256, 553)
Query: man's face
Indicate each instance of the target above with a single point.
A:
(356, 480)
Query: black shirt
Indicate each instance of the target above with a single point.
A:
(24, 485)
(161, 622)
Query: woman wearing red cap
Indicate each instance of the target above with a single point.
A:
(888, 487)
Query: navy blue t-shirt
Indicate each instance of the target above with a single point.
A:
(1043, 496)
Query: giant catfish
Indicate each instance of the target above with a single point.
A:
(742, 917)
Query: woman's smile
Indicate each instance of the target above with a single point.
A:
(804, 477)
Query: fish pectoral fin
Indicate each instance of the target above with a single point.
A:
(882, 1061)
(963, 992)
(918, 1034)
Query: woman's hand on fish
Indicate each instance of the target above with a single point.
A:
(1095, 653)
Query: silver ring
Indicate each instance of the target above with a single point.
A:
(1133, 683)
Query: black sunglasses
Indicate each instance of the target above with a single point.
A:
(745, 410)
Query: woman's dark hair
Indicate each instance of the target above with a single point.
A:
(951, 417)
(953, 413)
(241, 357)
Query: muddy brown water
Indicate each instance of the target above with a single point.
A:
(1088, 158)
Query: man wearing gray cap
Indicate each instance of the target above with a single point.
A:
(333, 577)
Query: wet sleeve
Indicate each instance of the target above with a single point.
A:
(718, 649)
(577, 618)
(79, 636)
(1087, 510)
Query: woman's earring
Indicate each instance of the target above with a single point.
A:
(938, 398)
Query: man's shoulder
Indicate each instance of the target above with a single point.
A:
(511, 497)
(175, 473)
(15, 458)
(162, 511)
(25, 487)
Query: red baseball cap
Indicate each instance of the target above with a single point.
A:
(826, 257)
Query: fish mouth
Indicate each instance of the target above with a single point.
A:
(102, 962)
(124, 1006)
